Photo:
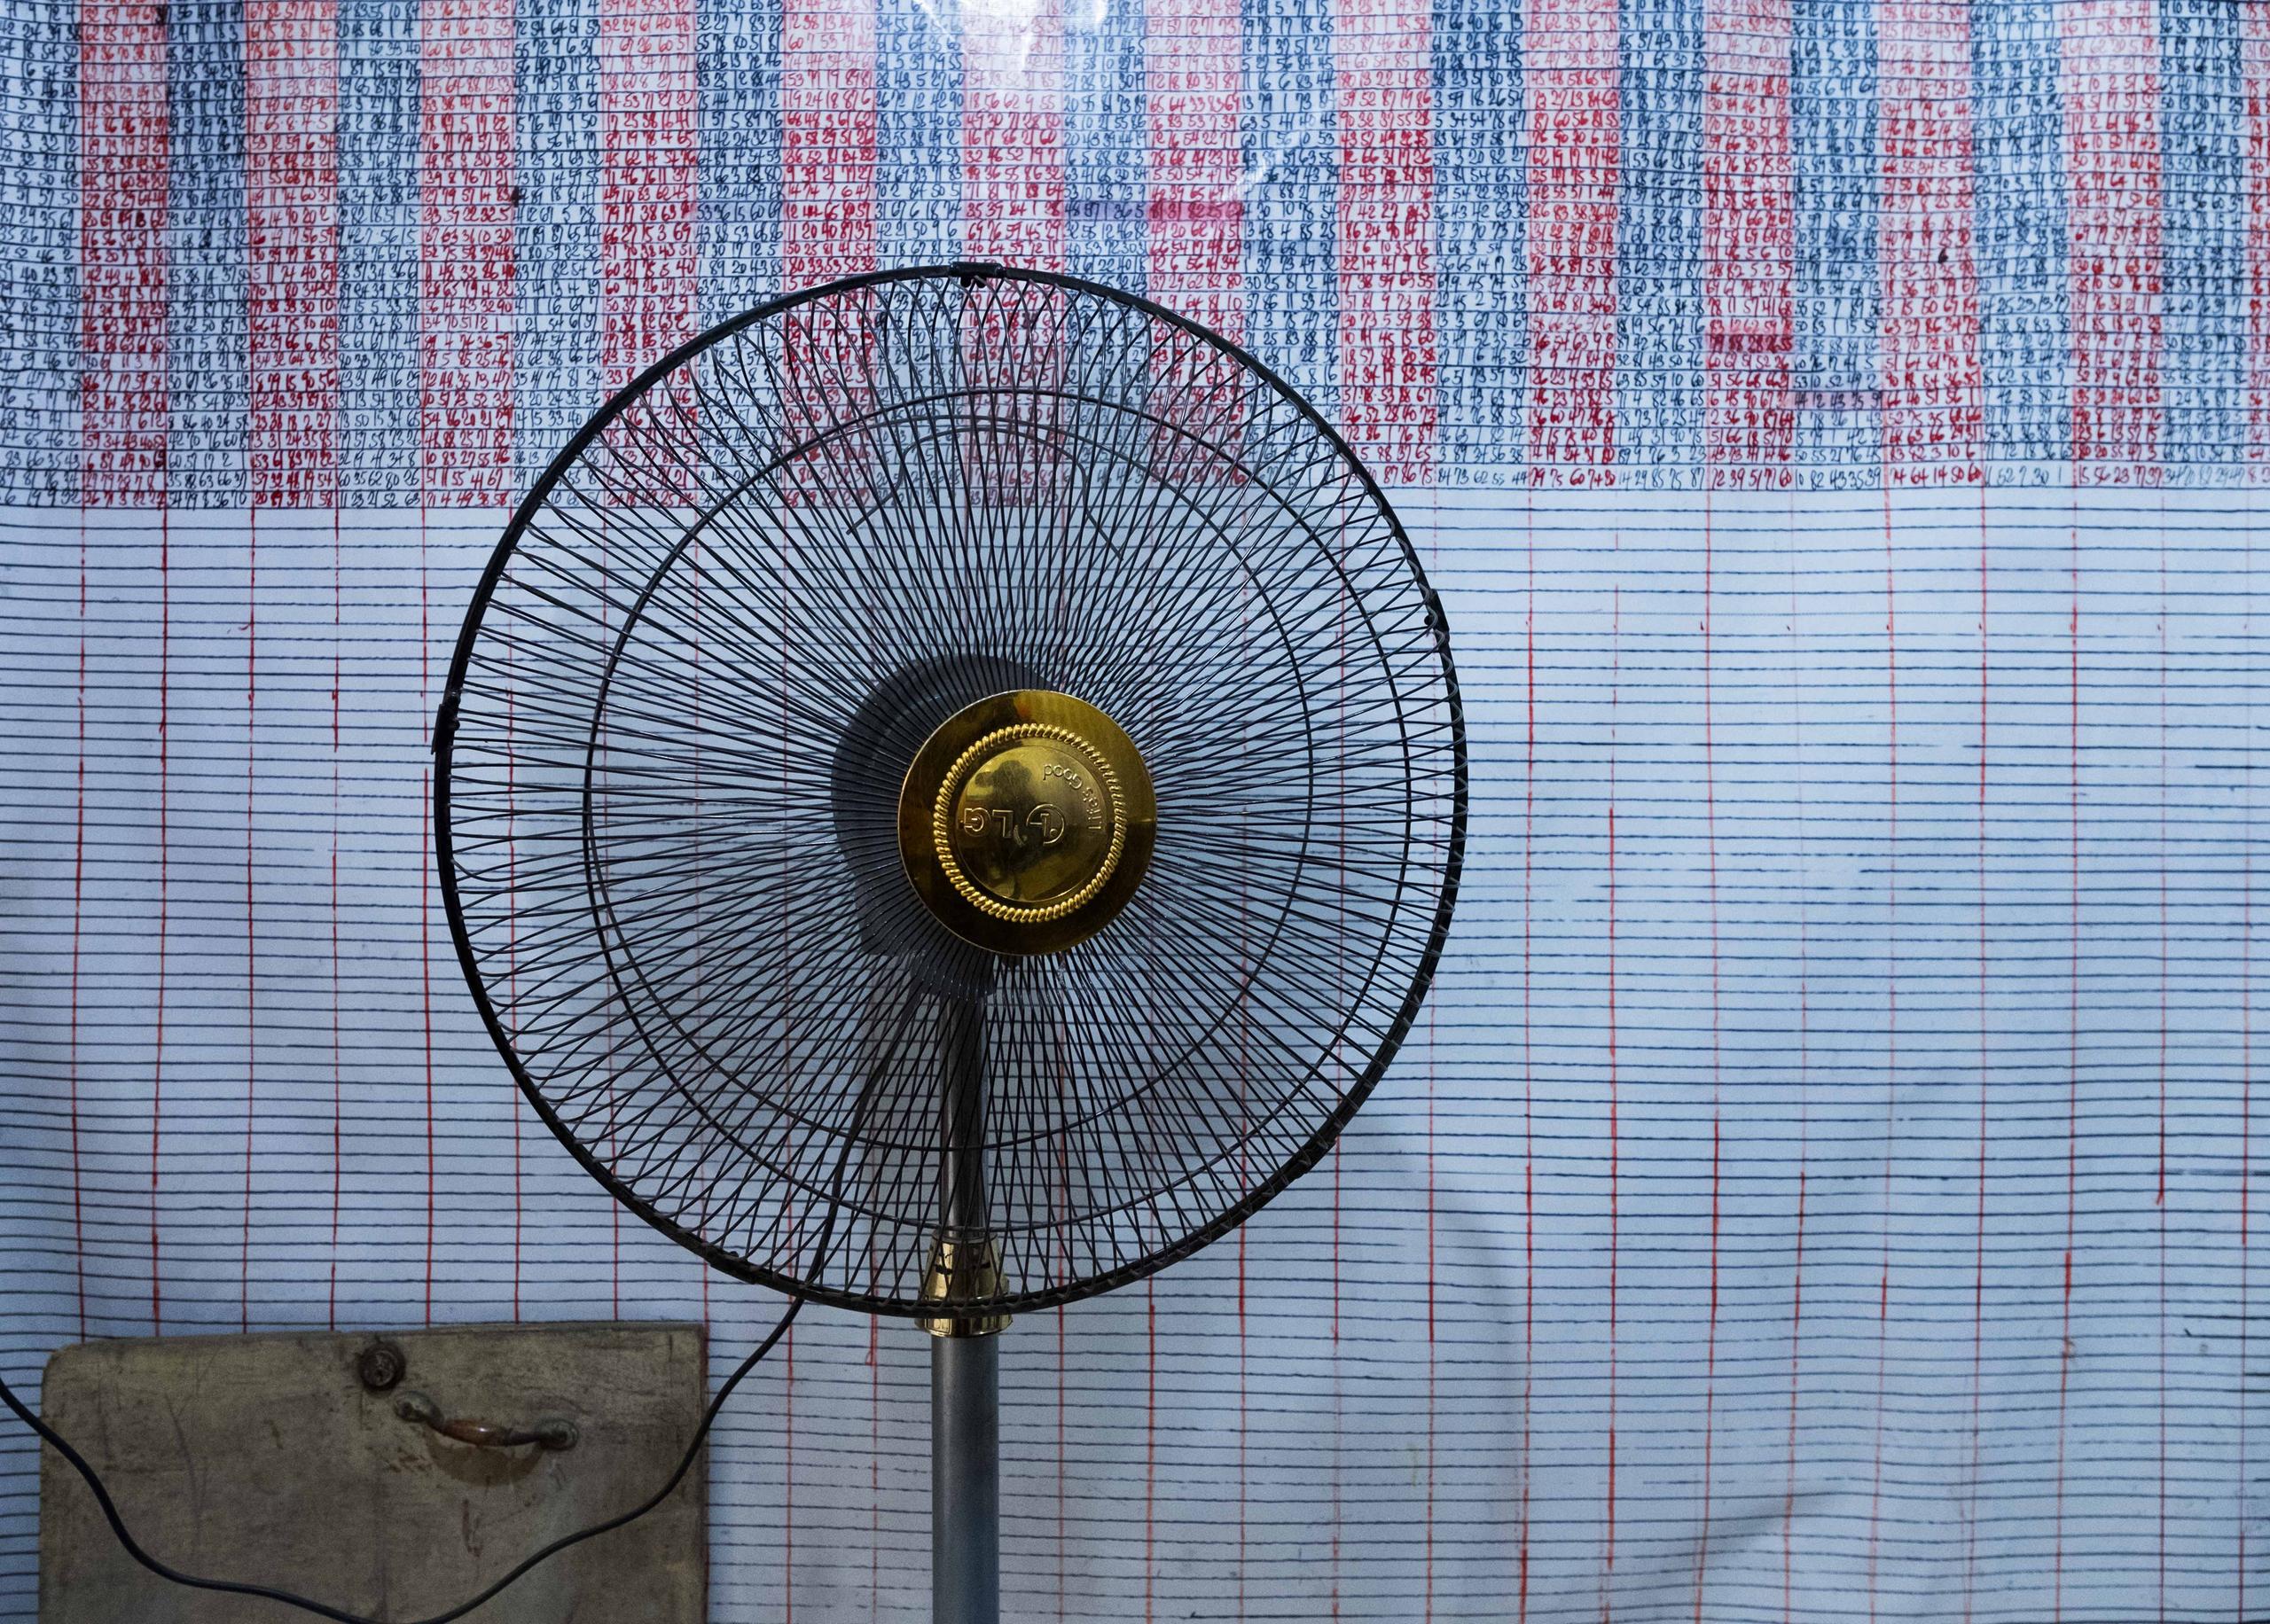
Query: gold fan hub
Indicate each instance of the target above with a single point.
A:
(1027, 824)
(1025, 821)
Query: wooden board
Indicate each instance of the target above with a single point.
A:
(265, 1458)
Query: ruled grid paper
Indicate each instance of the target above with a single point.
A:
(1823, 1184)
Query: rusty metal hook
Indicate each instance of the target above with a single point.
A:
(550, 1434)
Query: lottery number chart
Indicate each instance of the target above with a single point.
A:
(1825, 1181)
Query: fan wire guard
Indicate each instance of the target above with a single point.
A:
(718, 631)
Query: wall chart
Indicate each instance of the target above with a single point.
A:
(1828, 1174)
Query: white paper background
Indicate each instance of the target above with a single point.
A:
(1886, 1027)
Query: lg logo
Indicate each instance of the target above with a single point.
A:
(1045, 823)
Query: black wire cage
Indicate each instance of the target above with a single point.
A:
(681, 714)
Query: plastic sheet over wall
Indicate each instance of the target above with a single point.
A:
(1824, 1180)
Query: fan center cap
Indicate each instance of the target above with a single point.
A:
(1025, 821)
(1028, 821)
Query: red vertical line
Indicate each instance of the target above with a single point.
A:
(1013, 134)
(1243, 1505)
(124, 168)
(292, 243)
(1575, 152)
(1193, 73)
(1748, 235)
(694, 701)
(649, 152)
(123, 172)
(1150, 1439)
(1615, 1128)
(78, 920)
(1934, 410)
(609, 383)
(337, 1126)
(1060, 1462)
(513, 975)
(2245, 1062)
(613, 1146)
(1063, 1266)
(426, 888)
(291, 313)
(1340, 982)
(614, 1218)
(512, 971)
(702, 1269)
(1890, 1027)
(465, 298)
(787, 1479)
(2254, 56)
(789, 1010)
(1717, 1053)
(1194, 53)
(1978, 1259)
(1383, 55)
(1245, 1172)
(876, 1466)
(646, 191)
(1431, 1035)
(465, 293)
(2072, 1053)
(1529, 1068)
(165, 893)
(1434, 562)
(1805, 1096)
(2159, 1194)
(1340, 1070)
(827, 140)
(1429, 1612)
(2109, 73)
(1339, 1399)
(465, 248)
(2255, 66)
(252, 933)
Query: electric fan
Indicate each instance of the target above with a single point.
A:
(951, 792)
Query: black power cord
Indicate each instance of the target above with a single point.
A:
(323, 1610)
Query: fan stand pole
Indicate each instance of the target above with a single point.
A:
(964, 1351)
(965, 1479)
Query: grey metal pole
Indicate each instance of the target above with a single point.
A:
(966, 1480)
